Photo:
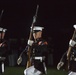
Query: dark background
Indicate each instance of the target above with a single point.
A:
(56, 16)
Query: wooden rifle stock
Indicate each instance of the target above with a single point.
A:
(30, 38)
(69, 51)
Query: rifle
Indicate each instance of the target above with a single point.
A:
(28, 48)
(1, 15)
(30, 38)
(70, 48)
(0, 21)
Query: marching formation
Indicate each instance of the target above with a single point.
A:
(37, 51)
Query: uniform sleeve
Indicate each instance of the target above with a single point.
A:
(64, 57)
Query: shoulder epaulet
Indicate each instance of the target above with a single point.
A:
(42, 43)
(45, 43)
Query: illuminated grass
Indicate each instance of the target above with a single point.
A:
(20, 70)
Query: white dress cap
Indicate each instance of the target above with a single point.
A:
(1, 28)
(74, 26)
(4, 30)
(38, 28)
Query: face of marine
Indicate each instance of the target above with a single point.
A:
(37, 35)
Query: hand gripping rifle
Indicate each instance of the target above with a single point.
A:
(70, 48)
(30, 38)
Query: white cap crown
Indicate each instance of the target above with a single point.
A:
(38, 28)
(74, 26)
(1, 29)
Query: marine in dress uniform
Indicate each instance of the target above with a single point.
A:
(38, 53)
(3, 49)
(72, 65)
(72, 62)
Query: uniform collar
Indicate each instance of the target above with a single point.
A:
(38, 39)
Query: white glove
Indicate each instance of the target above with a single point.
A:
(30, 42)
(19, 60)
(72, 43)
(60, 64)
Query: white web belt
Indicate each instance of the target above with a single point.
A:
(39, 58)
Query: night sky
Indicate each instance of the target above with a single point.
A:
(56, 16)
